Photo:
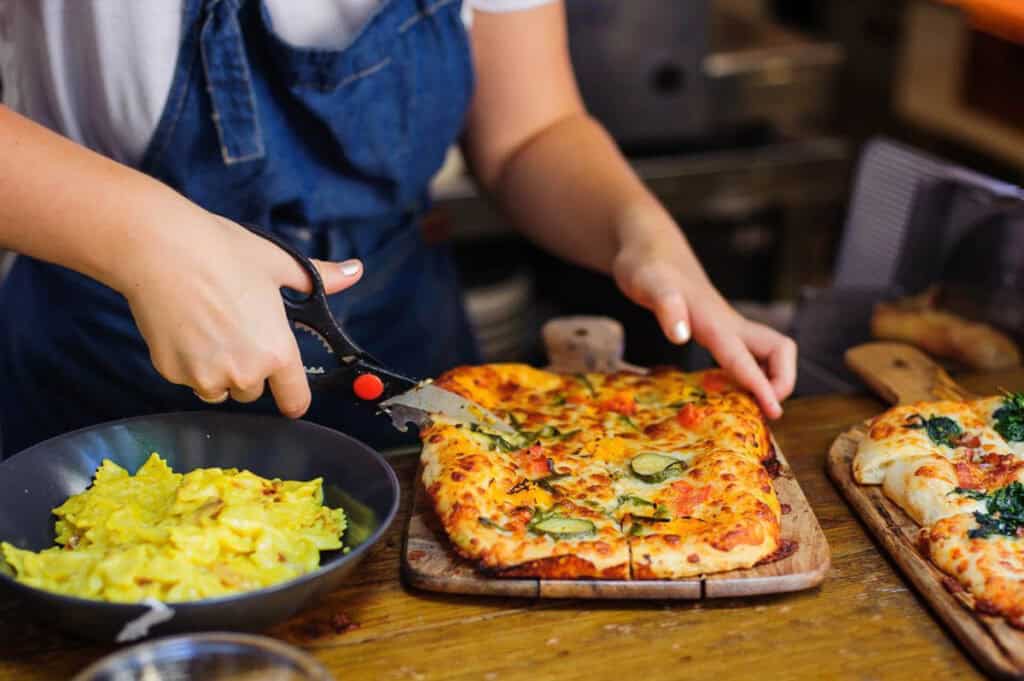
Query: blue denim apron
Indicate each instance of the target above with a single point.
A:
(332, 149)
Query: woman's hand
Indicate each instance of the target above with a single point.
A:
(206, 297)
(663, 276)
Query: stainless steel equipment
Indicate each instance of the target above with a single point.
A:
(639, 65)
(655, 72)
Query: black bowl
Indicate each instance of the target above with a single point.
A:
(42, 477)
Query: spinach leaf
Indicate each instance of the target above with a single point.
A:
(1004, 511)
(941, 429)
(1010, 418)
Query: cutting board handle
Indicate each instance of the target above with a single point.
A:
(902, 374)
(580, 344)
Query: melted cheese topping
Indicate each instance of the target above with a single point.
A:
(714, 508)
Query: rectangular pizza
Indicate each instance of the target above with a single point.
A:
(664, 475)
(957, 468)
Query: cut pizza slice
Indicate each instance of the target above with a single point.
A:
(533, 511)
(924, 428)
(562, 541)
(720, 514)
(983, 553)
(924, 488)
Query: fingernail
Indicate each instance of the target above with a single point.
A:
(350, 268)
(681, 332)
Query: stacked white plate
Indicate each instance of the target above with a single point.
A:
(503, 318)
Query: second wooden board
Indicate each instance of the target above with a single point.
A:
(902, 374)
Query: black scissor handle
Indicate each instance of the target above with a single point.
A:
(364, 376)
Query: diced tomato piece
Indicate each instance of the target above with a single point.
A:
(622, 403)
(533, 461)
(965, 476)
(687, 497)
(969, 441)
(690, 416)
(715, 381)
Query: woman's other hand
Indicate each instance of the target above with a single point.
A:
(662, 275)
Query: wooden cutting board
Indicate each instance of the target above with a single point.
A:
(576, 344)
(902, 374)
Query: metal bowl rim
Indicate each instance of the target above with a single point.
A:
(303, 659)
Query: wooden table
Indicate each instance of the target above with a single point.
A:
(863, 623)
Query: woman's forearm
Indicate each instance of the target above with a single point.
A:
(65, 204)
(570, 190)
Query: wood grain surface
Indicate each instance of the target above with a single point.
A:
(864, 623)
(902, 374)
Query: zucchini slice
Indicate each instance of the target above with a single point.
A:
(546, 483)
(642, 525)
(493, 440)
(653, 467)
(635, 506)
(647, 399)
(626, 421)
(487, 522)
(561, 527)
(545, 433)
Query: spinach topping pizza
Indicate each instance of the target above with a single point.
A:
(957, 469)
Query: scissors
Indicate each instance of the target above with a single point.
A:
(359, 376)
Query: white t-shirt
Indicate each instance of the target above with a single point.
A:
(99, 71)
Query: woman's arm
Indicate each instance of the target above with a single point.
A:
(561, 179)
(204, 291)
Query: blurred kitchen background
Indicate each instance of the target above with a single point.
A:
(748, 119)
(793, 141)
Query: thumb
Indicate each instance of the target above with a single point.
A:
(337, 276)
(659, 288)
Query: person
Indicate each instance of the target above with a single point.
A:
(137, 136)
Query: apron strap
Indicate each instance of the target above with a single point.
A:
(229, 83)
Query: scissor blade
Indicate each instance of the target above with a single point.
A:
(417, 405)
